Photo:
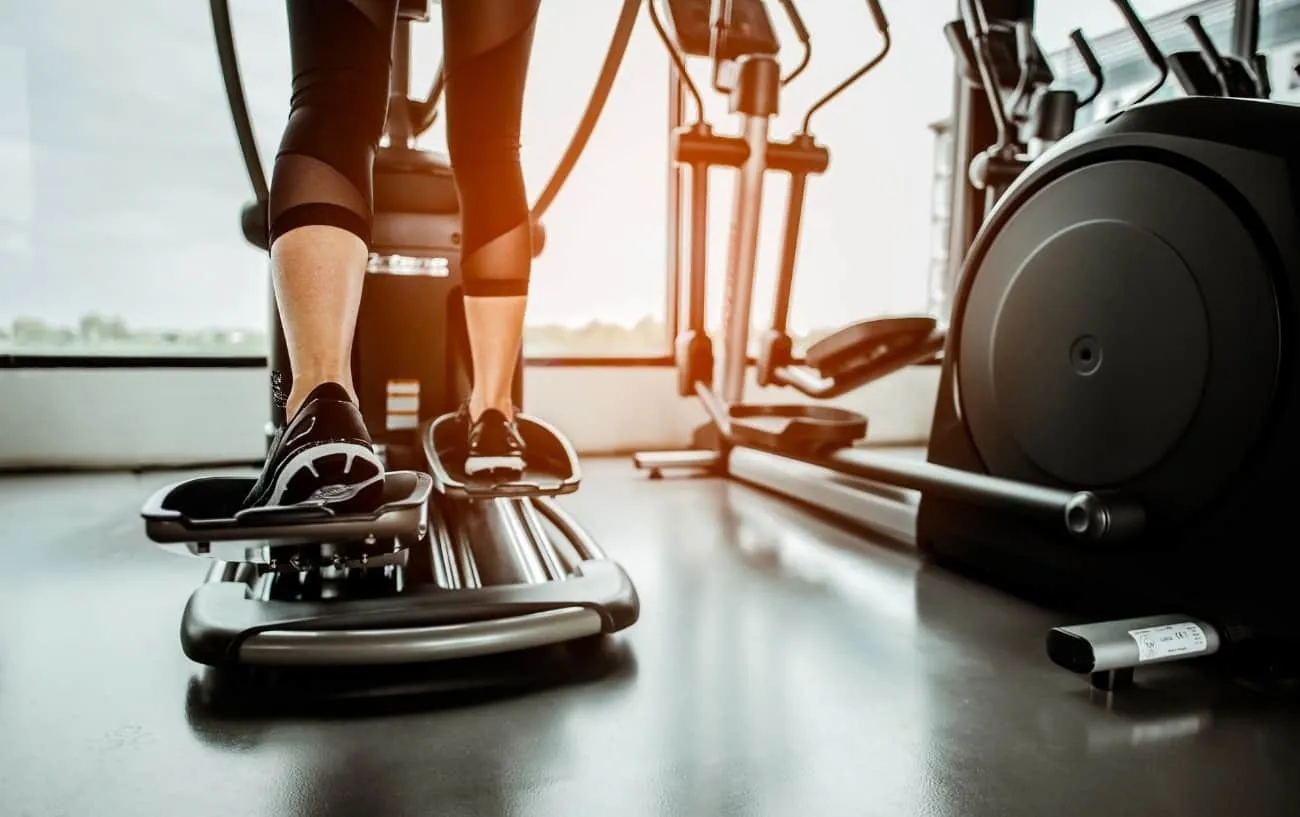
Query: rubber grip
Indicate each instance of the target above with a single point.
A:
(1086, 53)
(882, 23)
(1140, 31)
(796, 22)
(1204, 42)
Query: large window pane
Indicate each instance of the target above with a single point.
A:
(119, 228)
(119, 223)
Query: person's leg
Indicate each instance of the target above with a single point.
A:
(320, 218)
(486, 48)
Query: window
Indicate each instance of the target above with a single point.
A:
(119, 232)
(119, 226)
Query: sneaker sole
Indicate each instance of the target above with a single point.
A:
(340, 474)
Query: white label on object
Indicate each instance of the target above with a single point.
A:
(403, 409)
(1169, 640)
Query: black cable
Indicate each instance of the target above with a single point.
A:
(678, 61)
(801, 32)
(798, 69)
(857, 75)
(618, 43)
(229, 59)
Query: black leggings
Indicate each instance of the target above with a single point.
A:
(342, 51)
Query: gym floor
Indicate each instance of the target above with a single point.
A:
(781, 666)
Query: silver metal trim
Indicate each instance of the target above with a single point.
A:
(583, 543)
(741, 260)
(417, 644)
(409, 266)
(665, 460)
(551, 561)
(883, 509)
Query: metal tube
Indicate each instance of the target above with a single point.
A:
(416, 644)
(503, 549)
(1245, 28)
(446, 572)
(789, 251)
(676, 110)
(398, 126)
(567, 525)
(699, 269)
(742, 260)
(551, 561)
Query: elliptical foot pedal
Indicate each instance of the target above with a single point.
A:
(552, 464)
(868, 343)
(796, 428)
(207, 517)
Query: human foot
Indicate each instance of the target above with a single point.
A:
(494, 444)
(323, 453)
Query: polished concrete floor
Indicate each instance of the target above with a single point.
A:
(780, 667)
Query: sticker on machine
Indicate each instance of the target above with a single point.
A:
(403, 411)
(1166, 641)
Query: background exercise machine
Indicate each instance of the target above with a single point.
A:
(448, 567)
(1116, 416)
(742, 48)
(1122, 327)
(862, 352)
(1208, 72)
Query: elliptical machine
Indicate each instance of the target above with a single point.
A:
(448, 566)
(1125, 326)
(740, 43)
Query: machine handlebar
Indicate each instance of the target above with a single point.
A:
(796, 21)
(878, 14)
(802, 35)
(1208, 48)
(882, 26)
(1149, 47)
(1091, 63)
(224, 34)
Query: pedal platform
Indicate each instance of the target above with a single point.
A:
(865, 343)
(552, 463)
(799, 428)
(204, 517)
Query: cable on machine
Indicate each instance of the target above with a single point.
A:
(678, 62)
(882, 25)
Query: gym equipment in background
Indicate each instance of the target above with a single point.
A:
(448, 567)
(1118, 411)
(1123, 327)
(857, 354)
(1208, 72)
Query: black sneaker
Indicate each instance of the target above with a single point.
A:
(324, 453)
(495, 445)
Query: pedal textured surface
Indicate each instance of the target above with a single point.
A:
(552, 463)
(208, 509)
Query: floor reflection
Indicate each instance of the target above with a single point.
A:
(781, 666)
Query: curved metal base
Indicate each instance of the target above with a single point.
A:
(491, 578)
(419, 644)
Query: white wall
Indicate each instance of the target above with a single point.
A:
(126, 418)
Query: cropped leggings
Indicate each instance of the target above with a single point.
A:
(341, 57)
